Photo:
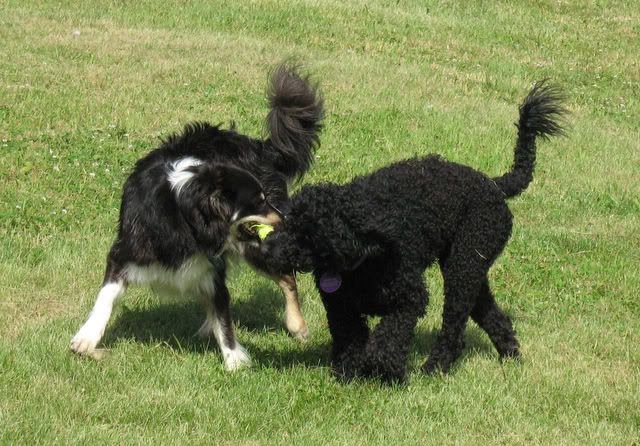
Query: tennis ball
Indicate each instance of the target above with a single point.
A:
(262, 230)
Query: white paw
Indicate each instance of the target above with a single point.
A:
(236, 359)
(298, 329)
(85, 341)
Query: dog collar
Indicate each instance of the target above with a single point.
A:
(330, 282)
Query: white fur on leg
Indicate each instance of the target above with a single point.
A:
(85, 341)
(237, 358)
(234, 358)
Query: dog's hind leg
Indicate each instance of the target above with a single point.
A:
(218, 322)
(495, 323)
(294, 320)
(86, 339)
(478, 242)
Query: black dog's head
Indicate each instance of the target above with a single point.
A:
(314, 236)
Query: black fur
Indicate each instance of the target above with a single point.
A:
(381, 231)
(149, 217)
(294, 120)
(165, 226)
(540, 116)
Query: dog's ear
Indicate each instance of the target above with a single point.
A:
(210, 196)
(194, 199)
(221, 190)
(220, 187)
(235, 191)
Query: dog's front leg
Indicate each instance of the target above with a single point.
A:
(385, 354)
(86, 339)
(294, 320)
(218, 322)
(349, 333)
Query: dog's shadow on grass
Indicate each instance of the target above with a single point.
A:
(262, 311)
(175, 323)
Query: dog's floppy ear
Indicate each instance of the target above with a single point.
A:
(221, 190)
(320, 223)
(211, 196)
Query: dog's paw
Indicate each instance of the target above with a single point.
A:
(86, 340)
(400, 380)
(297, 327)
(301, 334)
(512, 355)
(394, 374)
(236, 359)
(510, 352)
(434, 366)
(344, 372)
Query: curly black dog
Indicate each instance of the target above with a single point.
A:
(185, 198)
(368, 243)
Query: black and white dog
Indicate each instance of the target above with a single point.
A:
(184, 199)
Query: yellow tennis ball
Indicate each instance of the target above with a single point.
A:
(262, 230)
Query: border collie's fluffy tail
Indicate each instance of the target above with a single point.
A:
(541, 115)
(294, 121)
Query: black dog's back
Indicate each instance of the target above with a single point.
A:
(413, 206)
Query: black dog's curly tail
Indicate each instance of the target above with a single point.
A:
(295, 119)
(541, 115)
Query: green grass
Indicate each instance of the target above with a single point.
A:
(400, 78)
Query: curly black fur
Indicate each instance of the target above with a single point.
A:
(541, 115)
(381, 231)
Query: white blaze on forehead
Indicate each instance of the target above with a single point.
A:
(178, 174)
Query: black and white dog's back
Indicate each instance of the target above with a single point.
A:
(184, 198)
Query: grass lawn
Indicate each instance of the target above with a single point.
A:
(88, 87)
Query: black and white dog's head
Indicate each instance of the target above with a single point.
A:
(213, 197)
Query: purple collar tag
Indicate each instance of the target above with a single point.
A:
(330, 282)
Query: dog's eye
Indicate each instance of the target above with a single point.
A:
(262, 197)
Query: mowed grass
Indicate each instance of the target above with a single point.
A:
(87, 88)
